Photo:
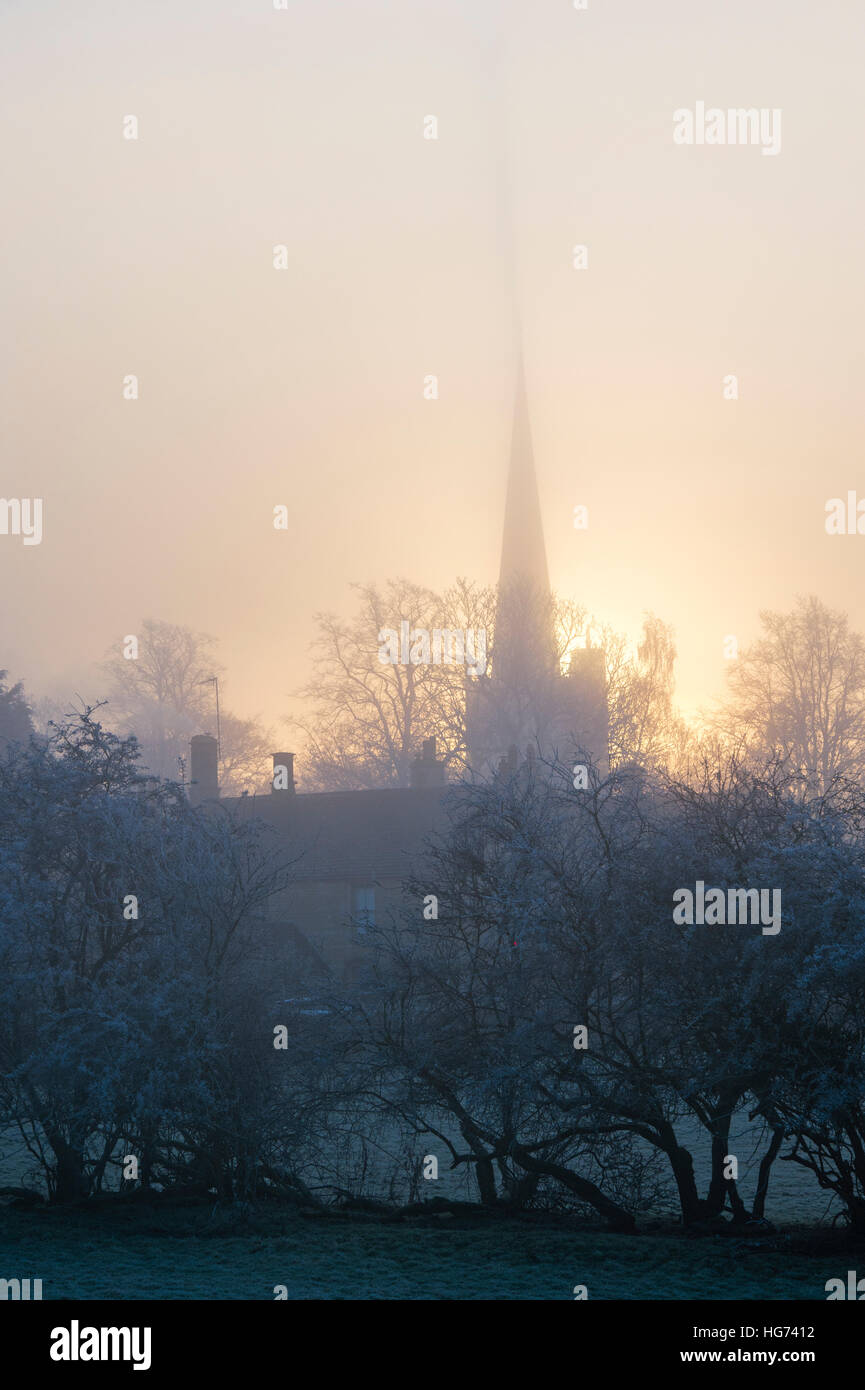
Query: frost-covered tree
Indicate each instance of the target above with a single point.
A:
(555, 912)
(477, 1009)
(15, 720)
(134, 968)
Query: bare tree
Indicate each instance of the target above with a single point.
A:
(246, 748)
(165, 694)
(365, 719)
(162, 692)
(644, 725)
(368, 716)
(800, 691)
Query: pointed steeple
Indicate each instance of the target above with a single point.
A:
(524, 640)
(525, 702)
(524, 555)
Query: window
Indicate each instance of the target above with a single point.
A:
(364, 908)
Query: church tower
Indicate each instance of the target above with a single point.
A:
(526, 703)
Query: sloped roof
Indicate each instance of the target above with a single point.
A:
(364, 836)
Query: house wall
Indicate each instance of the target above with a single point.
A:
(321, 911)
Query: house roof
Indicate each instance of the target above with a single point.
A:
(363, 836)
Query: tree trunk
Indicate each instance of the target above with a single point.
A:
(717, 1194)
(763, 1176)
(619, 1219)
(683, 1171)
(70, 1178)
(486, 1180)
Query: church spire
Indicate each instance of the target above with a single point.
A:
(526, 702)
(524, 556)
(524, 637)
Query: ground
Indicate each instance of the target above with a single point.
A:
(135, 1252)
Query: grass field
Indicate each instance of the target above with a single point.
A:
(133, 1252)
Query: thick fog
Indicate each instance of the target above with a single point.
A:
(407, 257)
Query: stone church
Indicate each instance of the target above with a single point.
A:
(352, 850)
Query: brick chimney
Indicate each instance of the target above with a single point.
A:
(282, 783)
(425, 771)
(203, 769)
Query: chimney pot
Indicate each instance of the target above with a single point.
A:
(427, 771)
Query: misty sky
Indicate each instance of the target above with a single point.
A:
(304, 386)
